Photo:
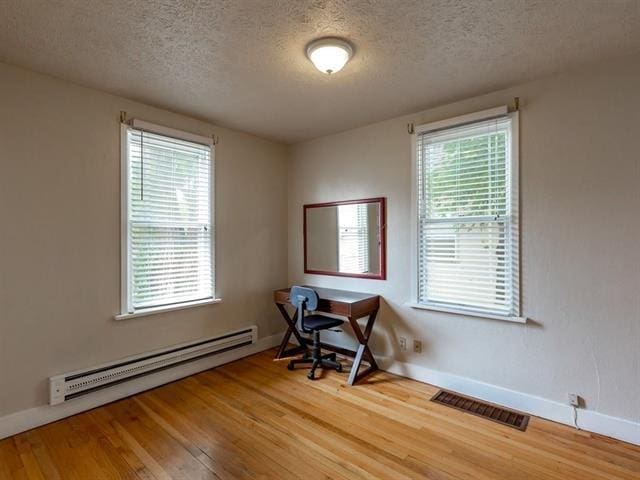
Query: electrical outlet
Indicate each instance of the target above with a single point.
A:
(417, 346)
(56, 390)
(403, 344)
(574, 400)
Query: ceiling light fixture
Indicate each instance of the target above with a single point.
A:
(329, 55)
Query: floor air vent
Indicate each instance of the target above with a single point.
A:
(70, 385)
(482, 409)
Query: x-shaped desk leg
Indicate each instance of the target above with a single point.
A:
(282, 351)
(363, 352)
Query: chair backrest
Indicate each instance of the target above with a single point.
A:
(303, 296)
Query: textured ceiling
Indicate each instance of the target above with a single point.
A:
(241, 63)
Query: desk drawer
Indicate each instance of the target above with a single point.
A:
(338, 308)
(281, 296)
(326, 306)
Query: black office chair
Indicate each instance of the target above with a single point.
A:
(306, 299)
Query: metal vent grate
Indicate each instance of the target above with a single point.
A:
(482, 409)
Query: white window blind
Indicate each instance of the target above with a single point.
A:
(353, 238)
(169, 244)
(467, 219)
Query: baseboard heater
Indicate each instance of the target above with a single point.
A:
(74, 384)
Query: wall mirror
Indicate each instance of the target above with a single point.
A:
(346, 239)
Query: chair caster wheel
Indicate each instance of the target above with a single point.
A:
(290, 366)
(339, 369)
(311, 376)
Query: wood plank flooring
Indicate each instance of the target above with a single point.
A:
(254, 419)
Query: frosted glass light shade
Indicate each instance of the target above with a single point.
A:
(329, 55)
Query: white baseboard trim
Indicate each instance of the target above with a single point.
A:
(588, 420)
(34, 417)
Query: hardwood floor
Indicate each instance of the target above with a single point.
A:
(255, 419)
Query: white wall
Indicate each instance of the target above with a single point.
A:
(60, 235)
(580, 198)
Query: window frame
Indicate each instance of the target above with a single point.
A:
(514, 200)
(126, 309)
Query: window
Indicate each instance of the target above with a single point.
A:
(353, 238)
(168, 238)
(467, 209)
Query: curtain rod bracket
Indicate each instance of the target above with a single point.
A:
(516, 104)
(123, 116)
(410, 128)
(215, 139)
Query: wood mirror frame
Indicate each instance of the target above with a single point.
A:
(382, 235)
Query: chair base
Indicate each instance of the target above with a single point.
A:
(316, 359)
(326, 361)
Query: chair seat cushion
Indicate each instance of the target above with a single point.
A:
(321, 322)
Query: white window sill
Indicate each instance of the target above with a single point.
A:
(468, 313)
(168, 308)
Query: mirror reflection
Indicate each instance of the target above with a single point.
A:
(345, 238)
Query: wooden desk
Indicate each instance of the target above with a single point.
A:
(352, 305)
